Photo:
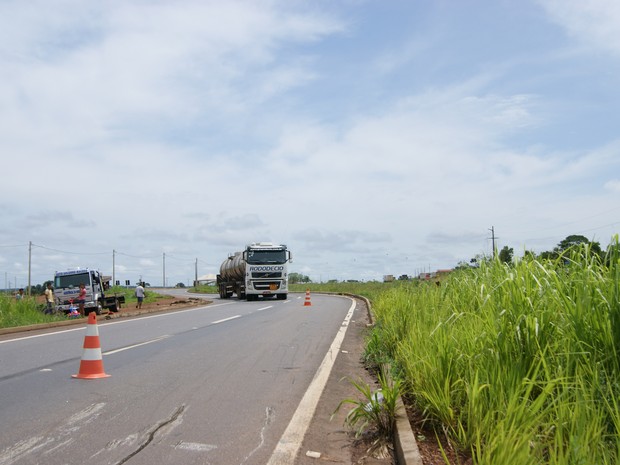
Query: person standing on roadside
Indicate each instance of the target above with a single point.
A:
(81, 299)
(49, 299)
(20, 294)
(140, 294)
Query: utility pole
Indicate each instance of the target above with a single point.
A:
(164, 278)
(113, 267)
(196, 274)
(29, 263)
(493, 241)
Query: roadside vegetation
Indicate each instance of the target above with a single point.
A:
(22, 312)
(514, 364)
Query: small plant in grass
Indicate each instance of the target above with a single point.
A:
(373, 418)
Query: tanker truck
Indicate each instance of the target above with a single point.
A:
(259, 270)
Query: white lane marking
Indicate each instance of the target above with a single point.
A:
(23, 449)
(54, 439)
(290, 442)
(194, 446)
(115, 351)
(264, 308)
(81, 328)
(225, 319)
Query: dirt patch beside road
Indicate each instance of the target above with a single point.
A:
(164, 304)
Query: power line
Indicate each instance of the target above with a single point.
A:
(136, 256)
(67, 252)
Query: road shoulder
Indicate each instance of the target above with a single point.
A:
(328, 436)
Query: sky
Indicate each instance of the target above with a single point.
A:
(372, 137)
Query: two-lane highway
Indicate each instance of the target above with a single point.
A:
(217, 384)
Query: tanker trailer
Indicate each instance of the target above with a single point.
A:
(259, 270)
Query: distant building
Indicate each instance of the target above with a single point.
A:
(434, 275)
(207, 279)
(388, 278)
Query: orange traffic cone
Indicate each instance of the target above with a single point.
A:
(91, 366)
(307, 302)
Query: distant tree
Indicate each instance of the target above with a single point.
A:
(296, 278)
(506, 254)
(548, 255)
(572, 241)
(180, 285)
(462, 265)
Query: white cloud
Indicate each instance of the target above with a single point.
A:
(613, 185)
(194, 128)
(594, 22)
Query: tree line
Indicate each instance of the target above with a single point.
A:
(506, 254)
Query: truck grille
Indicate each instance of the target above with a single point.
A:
(267, 285)
(267, 274)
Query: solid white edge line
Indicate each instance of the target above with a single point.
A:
(290, 442)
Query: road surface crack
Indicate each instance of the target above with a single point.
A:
(269, 413)
(152, 434)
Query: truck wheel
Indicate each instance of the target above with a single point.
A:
(223, 293)
(96, 309)
(116, 307)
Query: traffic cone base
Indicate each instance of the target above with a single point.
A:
(91, 366)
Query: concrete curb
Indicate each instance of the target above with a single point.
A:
(405, 445)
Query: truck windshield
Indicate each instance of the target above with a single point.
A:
(72, 280)
(262, 257)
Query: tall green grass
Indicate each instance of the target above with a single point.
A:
(517, 364)
(22, 312)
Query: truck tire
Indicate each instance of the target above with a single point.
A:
(282, 296)
(223, 293)
(116, 307)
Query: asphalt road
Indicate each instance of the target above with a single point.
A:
(217, 384)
